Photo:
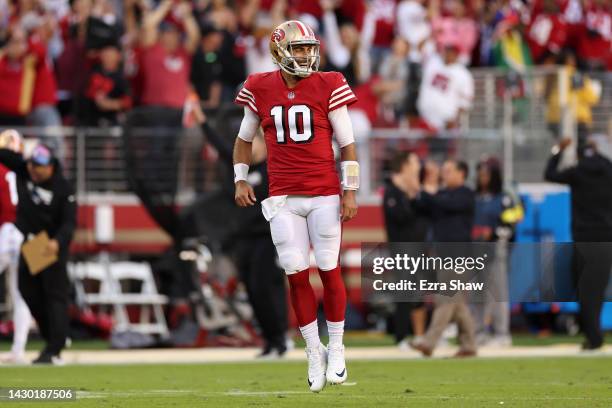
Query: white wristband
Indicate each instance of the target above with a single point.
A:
(349, 171)
(241, 170)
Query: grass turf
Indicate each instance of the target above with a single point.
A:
(534, 382)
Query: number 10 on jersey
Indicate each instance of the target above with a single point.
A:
(297, 120)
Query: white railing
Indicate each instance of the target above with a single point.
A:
(514, 130)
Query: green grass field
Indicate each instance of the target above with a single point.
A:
(534, 382)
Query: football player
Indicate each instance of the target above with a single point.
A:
(299, 110)
(10, 244)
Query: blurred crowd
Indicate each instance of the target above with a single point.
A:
(90, 61)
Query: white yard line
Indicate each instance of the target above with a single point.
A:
(240, 355)
(244, 393)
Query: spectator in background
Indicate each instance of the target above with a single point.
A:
(343, 47)
(391, 89)
(221, 15)
(582, 95)
(595, 38)
(165, 60)
(413, 25)
(452, 213)
(487, 19)
(405, 222)
(510, 50)
(447, 90)
(71, 65)
(45, 112)
(591, 201)
(17, 76)
(206, 69)
(495, 215)
(103, 25)
(453, 24)
(379, 30)
(107, 92)
(41, 28)
(352, 10)
(257, 44)
(5, 15)
(547, 31)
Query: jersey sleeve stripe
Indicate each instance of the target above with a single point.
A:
(247, 102)
(244, 95)
(340, 95)
(339, 89)
(341, 101)
(246, 91)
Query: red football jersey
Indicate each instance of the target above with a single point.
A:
(546, 32)
(596, 37)
(297, 129)
(8, 195)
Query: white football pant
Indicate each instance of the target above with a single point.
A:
(10, 245)
(299, 221)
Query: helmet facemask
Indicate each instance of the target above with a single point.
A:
(300, 66)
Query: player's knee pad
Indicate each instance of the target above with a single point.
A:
(326, 259)
(292, 260)
(326, 243)
(327, 226)
(281, 230)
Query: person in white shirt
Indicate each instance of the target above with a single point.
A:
(446, 91)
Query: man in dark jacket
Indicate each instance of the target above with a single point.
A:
(590, 182)
(405, 222)
(452, 208)
(254, 252)
(46, 203)
(452, 211)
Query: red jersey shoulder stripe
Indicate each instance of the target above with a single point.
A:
(246, 91)
(339, 89)
(247, 102)
(342, 101)
(340, 95)
(246, 96)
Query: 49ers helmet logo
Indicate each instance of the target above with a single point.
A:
(278, 35)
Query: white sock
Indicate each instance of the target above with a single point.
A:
(310, 333)
(336, 332)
